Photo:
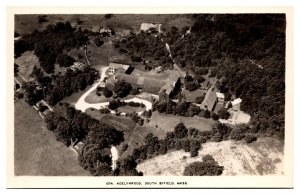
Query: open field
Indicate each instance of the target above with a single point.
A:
(36, 151)
(263, 157)
(26, 63)
(119, 22)
(167, 122)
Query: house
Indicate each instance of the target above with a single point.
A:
(78, 66)
(236, 117)
(126, 33)
(236, 104)
(210, 99)
(105, 30)
(220, 96)
(150, 26)
(112, 67)
(147, 84)
(95, 29)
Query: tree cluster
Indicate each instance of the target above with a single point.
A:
(208, 167)
(146, 47)
(248, 52)
(49, 43)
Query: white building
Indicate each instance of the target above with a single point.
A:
(220, 96)
(149, 26)
(236, 104)
(112, 67)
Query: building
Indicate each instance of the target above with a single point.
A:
(220, 96)
(78, 66)
(236, 104)
(113, 67)
(150, 27)
(126, 33)
(147, 84)
(210, 99)
(236, 117)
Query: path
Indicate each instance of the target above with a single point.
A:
(82, 105)
(114, 157)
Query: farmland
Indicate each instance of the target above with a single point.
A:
(36, 150)
(264, 157)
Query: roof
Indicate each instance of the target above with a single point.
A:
(173, 76)
(239, 117)
(210, 98)
(147, 26)
(155, 84)
(117, 66)
(131, 79)
(191, 96)
(236, 101)
(220, 95)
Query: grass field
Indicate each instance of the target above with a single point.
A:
(130, 109)
(36, 151)
(26, 63)
(263, 157)
(166, 122)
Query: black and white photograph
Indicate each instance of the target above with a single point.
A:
(187, 95)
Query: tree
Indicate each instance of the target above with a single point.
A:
(64, 60)
(122, 89)
(249, 138)
(215, 116)
(223, 114)
(107, 93)
(98, 41)
(42, 18)
(180, 131)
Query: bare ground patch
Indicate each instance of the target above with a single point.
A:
(246, 159)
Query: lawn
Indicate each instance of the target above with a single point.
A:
(263, 157)
(36, 151)
(166, 122)
(94, 113)
(92, 98)
(130, 109)
(26, 63)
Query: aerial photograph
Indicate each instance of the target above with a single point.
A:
(149, 94)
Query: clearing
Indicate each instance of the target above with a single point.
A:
(167, 122)
(26, 63)
(36, 151)
(263, 157)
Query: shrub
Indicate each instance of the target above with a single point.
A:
(249, 138)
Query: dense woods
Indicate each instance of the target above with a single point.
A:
(146, 47)
(248, 52)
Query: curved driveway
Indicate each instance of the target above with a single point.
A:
(82, 105)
